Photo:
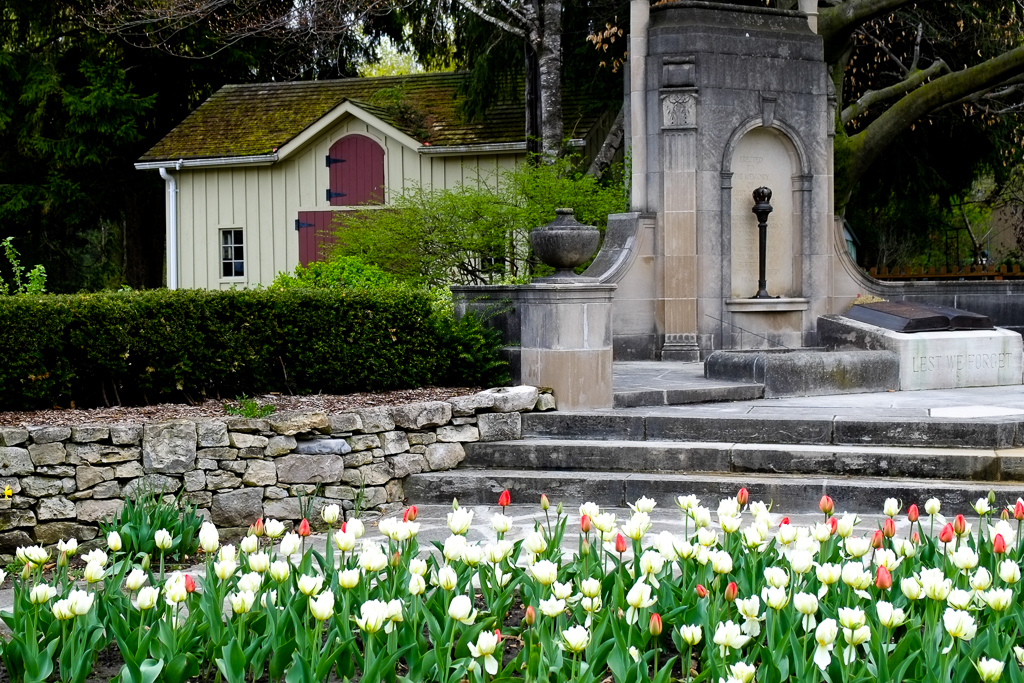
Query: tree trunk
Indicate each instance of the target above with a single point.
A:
(532, 101)
(611, 145)
(549, 56)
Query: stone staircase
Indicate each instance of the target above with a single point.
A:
(614, 457)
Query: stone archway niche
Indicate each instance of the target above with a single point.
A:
(764, 157)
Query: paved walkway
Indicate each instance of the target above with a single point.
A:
(972, 403)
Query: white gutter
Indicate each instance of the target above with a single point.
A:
(172, 219)
(199, 163)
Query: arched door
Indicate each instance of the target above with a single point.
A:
(356, 165)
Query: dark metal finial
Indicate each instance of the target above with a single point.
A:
(762, 207)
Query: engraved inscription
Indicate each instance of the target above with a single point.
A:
(960, 362)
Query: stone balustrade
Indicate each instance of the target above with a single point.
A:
(63, 481)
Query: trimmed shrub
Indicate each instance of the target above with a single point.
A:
(144, 347)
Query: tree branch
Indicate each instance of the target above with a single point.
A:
(886, 50)
(873, 97)
(836, 24)
(917, 47)
(860, 151)
(493, 20)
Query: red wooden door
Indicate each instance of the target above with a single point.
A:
(315, 235)
(356, 172)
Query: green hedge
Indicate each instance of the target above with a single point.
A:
(147, 347)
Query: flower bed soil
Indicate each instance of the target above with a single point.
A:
(328, 403)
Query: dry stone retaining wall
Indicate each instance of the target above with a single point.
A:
(64, 480)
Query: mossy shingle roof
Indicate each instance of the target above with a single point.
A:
(245, 120)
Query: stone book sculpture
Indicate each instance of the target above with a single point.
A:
(907, 317)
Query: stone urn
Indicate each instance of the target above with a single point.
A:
(564, 243)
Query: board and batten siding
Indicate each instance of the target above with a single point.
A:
(264, 201)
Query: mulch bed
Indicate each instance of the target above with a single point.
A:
(328, 403)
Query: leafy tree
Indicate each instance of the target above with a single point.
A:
(476, 233)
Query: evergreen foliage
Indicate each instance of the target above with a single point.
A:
(140, 347)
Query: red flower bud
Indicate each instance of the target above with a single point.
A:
(883, 579)
(959, 525)
(344, 527)
(410, 514)
(304, 527)
(396, 559)
(876, 539)
(531, 616)
(916, 538)
(889, 527)
(785, 520)
(833, 524)
(999, 544)
(702, 592)
(946, 535)
(1004, 515)
(585, 524)
(620, 543)
(257, 528)
(912, 513)
(731, 591)
(544, 504)
(505, 499)
(1018, 510)
(742, 496)
(826, 505)
(497, 632)
(655, 625)
(190, 585)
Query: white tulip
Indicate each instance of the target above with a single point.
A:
(639, 597)
(69, 547)
(95, 555)
(225, 570)
(845, 525)
(418, 567)
(148, 597)
(535, 543)
(728, 637)
(742, 672)
(473, 555)
(577, 638)
(728, 507)
(227, 554)
(828, 574)
(242, 601)
(989, 670)
(730, 524)
(590, 509)
(787, 534)
(857, 546)
(891, 507)
(1009, 571)
(750, 608)
(349, 578)
(249, 544)
(163, 539)
(964, 557)
(209, 538)
(638, 525)
(911, 588)
(310, 585)
(644, 504)
(932, 505)
(691, 634)
(460, 520)
(251, 582)
(501, 523)
(41, 593)
(372, 615)
(174, 589)
(959, 624)
(889, 616)
(114, 541)
(461, 609)
(707, 537)
(776, 598)
(551, 607)
(356, 527)
(935, 584)
(959, 599)
(801, 561)
(279, 570)
(259, 562)
(998, 599)
(687, 503)
(807, 605)
(825, 635)
(852, 618)
(591, 588)
(776, 577)
(94, 572)
(721, 562)
(486, 644)
(344, 541)
(562, 591)
(373, 558)
(135, 580)
(701, 516)
(290, 544)
(447, 578)
(417, 585)
(545, 572)
(81, 602)
(330, 513)
(33, 555)
(453, 548)
(273, 528)
(604, 522)
(322, 607)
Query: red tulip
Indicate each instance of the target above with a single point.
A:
(999, 544)
(304, 527)
(731, 591)
(883, 579)
(833, 524)
(946, 535)
(742, 496)
(585, 524)
(505, 499)
(826, 505)
(544, 504)
(702, 592)
(190, 585)
(1018, 510)
(257, 528)
(912, 513)
(916, 538)
(876, 539)
(620, 543)
(344, 527)
(655, 625)
(888, 527)
(785, 520)
(497, 632)
(959, 525)
(410, 514)
(531, 616)
(1004, 515)
(396, 559)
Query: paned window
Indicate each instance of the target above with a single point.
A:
(232, 253)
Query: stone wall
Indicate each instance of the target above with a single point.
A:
(64, 480)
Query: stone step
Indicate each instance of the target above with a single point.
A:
(687, 395)
(790, 459)
(788, 494)
(987, 433)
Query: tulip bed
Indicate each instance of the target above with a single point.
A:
(749, 597)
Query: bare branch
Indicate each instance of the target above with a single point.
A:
(837, 23)
(519, 16)
(903, 67)
(468, 4)
(917, 47)
(873, 97)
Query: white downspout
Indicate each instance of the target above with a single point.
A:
(639, 17)
(172, 217)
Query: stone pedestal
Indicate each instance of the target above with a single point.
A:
(936, 360)
(559, 336)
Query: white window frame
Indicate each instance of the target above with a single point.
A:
(221, 229)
